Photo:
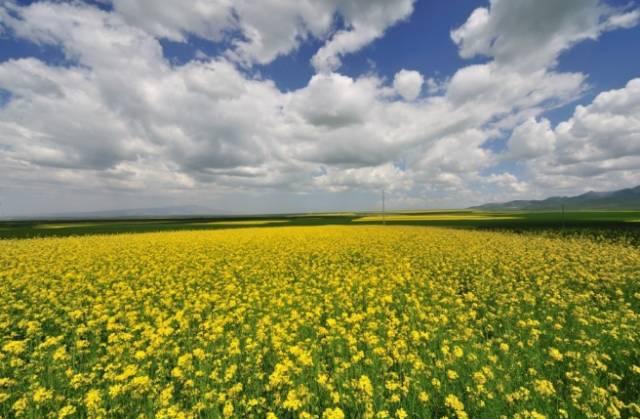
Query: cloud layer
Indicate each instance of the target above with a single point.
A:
(119, 116)
(600, 142)
(261, 31)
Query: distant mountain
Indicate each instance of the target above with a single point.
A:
(623, 199)
(174, 211)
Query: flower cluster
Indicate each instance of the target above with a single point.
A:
(319, 322)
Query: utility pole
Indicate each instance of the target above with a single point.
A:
(384, 221)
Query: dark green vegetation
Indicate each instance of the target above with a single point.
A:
(623, 199)
(607, 222)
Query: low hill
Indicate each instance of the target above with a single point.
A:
(623, 199)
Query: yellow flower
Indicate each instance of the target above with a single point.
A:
(93, 400)
(42, 395)
(185, 361)
(230, 372)
(335, 413)
(166, 395)
(458, 352)
(176, 372)
(453, 402)
(479, 378)
(60, 354)
(322, 379)
(555, 354)
(423, 397)
(544, 387)
(364, 385)
(15, 347)
(199, 354)
(293, 401)
(116, 390)
(401, 414)
(20, 406)
(304, 357)
(227, 411)
(141, 384)
(129, 371)
(67, 410)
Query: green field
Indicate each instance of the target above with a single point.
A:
(599, 221)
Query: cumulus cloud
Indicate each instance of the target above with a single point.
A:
(334, 100)
(506, 89)
(201, 115)
(119, 116)
(507, 180)
(408, 84)
(261, 31)
(63, 128)
(172, 20)
(531, 139)
(600, 141)
(530, 34)
(366, 20)
(385, 176)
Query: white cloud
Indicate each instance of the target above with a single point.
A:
(408, 84)
(376, 178)
(366, 21)
(530, 34)
(508, 181)
(120, 117)
(261, 31)
(174, 19)
(435, 87)
(603, 133)
(505, 89)
(95, 38)
(600, 142)
(531, 139)
(334, 100)
(63, 128)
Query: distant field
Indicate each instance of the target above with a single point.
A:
(436, 217)
(580, 220)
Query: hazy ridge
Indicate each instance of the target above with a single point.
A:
(623, 199)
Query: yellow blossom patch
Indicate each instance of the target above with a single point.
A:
(320, 322)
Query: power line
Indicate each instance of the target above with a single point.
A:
(384, 221)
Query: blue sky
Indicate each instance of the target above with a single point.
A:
(278, 106)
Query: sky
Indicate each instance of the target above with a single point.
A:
(244, 106)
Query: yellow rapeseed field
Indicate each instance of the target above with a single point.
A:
(320, 322)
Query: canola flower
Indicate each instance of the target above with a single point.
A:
(320, 322)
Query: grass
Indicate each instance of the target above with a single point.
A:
(608, 221)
